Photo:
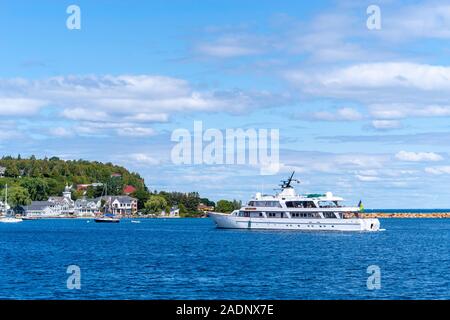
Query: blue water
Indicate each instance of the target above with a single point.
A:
(191, 259)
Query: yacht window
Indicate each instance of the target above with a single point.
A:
(274, 204)
(327, 204)
(300, 204)
(329, 215)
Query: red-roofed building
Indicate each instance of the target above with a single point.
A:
(82, 187)
(129, 190)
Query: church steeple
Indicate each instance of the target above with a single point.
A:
(67, 194)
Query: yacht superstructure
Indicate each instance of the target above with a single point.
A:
(288, 210)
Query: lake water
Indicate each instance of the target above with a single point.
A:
(191, 259)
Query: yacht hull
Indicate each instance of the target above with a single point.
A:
(228, 221)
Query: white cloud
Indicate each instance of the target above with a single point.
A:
(332, 162)
(135, 132)
(20, 106)
(61, 132)
(438, 170)
(8, 135)
(123, 98)
(404, 110)
(144, 159)
(146, 117)
(9, 131)
(386, 124)
(85, 114)
(361, 160)
(429, 20)
(105, 128)
(226, 49)
(374, 76)
(390, 90)
(343, 114)
(418, 156)
(367, 178)
(326, 38)
(142, 96)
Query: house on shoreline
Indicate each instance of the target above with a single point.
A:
(173, 213)
(120, 205)
(47, 209)
(204, 208)
(85, 207)
(65, 206)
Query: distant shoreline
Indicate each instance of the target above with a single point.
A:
(381, 215)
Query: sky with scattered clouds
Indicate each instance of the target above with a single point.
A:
(362, 113)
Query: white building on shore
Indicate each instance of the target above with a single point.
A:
(66, 207)
(173, 213)
(87, 207)
(43, 209)
(53, 207)
(120, 205)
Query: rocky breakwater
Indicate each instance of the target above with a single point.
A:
(406, 215)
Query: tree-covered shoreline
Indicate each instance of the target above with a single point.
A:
(32, 179)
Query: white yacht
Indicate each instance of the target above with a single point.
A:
(288, 210)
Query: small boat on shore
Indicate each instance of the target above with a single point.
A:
(107, 218)
(30, 218)
(10, 220)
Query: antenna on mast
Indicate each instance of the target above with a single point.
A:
(288, 183)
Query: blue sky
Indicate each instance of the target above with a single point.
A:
(363, 113)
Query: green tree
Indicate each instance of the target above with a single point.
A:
(17, 196)
(77, 194)
(207, 202)
(237, 204)
(37, 188)
(12, 170)
(224, 206)
(182, 208)
(94, 192)
(142, 196)
(155, 204)
(191, 202)
(115, 186)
